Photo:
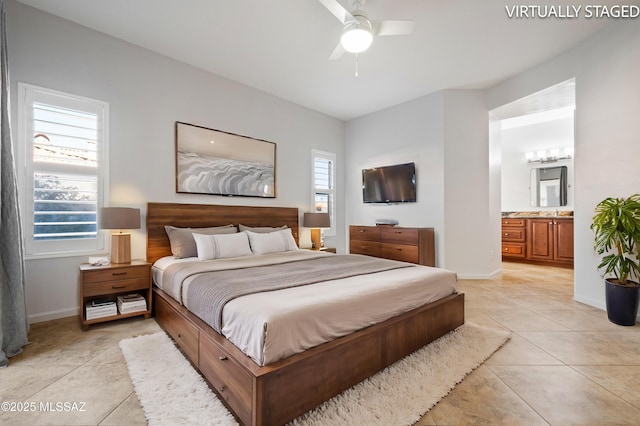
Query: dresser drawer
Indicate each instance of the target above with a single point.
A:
(364, 233)
(115, 286)
(233, 384)
(399, 236)
(513, 234)
(513, 250)
(111, 274)
(513, 222)
(400, 252)
(183, 332)
(370, 248)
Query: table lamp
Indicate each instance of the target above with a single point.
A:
(120, 218)
(315, 221)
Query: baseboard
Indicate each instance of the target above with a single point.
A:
(591, 302)
(479, 276)
(52, 315)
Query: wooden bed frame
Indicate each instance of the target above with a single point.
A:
(277, 393)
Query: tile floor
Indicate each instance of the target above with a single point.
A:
(565, 363)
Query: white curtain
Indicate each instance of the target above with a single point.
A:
(14, 325)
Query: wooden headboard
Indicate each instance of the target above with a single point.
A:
(205, 215)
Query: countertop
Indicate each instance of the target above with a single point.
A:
(561, 214)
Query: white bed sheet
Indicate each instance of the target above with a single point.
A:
(272, 325)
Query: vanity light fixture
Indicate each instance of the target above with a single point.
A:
(552, 156)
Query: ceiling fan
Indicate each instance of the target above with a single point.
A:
(359, 30)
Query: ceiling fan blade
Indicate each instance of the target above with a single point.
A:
(337, 52)
(337, 10)
(386, 28)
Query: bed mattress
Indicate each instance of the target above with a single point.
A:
(273, 325)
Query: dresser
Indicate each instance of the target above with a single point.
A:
(413, 245)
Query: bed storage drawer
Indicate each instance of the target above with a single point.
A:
(231, 382)
(400, 252)
(183, 332)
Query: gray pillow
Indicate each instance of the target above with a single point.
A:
(261, 229)
(182, 242)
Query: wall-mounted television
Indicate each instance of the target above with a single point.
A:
(389, 184)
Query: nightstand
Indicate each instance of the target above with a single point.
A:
(109, 281)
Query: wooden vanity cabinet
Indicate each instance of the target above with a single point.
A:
(551, 239)
(545, 241)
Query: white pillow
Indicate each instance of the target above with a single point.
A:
(272, 242)
(222, 246)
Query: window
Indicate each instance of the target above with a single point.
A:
(64, 144)
(323, 166)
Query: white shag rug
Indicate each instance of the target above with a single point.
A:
(171, 392)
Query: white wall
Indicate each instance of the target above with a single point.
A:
(147, 93)
(607, 129)
(412, 131)
(516, 172)
(470, 246)
(446, 134)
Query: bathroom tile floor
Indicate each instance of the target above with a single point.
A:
(565, 363)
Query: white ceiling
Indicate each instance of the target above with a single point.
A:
(282, 46)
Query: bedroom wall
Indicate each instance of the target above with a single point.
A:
(452, 172)
(607, 147)
(147, 93)
(412, 131)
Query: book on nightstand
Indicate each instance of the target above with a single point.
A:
(100, 309)
(128, 303)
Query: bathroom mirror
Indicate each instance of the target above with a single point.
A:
(549, 186)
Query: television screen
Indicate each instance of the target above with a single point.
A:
(389, 184)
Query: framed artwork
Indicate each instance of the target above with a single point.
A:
(214, 162)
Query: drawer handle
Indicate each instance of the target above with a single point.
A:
(506, 233)
(118, 273)
(506, 249)
(363, 230)
(179, 336)
(223, 358)
(117, 287)
(399, 249)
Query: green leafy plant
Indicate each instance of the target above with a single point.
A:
(616, 225)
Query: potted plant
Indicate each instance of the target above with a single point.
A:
(616, 225)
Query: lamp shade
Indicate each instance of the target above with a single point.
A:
(119, 218)
(316, 220)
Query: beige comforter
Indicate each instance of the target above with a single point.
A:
(273, 325)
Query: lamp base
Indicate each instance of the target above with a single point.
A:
(121, 248)
(316, 240)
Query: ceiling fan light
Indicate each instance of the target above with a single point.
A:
(356, 39)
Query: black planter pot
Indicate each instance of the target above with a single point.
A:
(622, 303)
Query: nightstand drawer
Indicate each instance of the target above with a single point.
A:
(115, 273)
(115, 286)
